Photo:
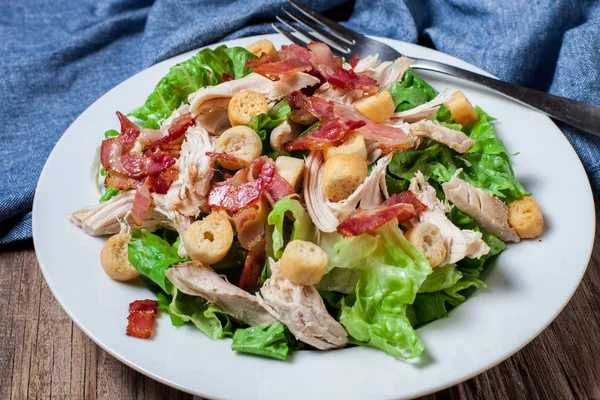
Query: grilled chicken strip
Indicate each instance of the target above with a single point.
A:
(454, 139)
(196, 279)
(302, 310)
(490, 212)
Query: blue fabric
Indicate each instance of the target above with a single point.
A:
(57, 57)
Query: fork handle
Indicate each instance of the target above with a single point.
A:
(581, 115)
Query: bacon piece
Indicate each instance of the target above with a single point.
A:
(227, 157)
(226, 77)
(331, 133)
(224, 195)
(141, 203)
(348, 79)
(140, 322)
(293, 51)
(120, 182)
(402, 206)
(389, 138)
(274, 69)
(279, 188)
(176, 130)
(323, 59)
(354, 61)
(250, 225)
(253, 266)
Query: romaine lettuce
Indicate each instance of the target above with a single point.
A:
(205, 316)
(268, 341)
(302, 228)
(263, 124)
(388, 282)
(206, 68)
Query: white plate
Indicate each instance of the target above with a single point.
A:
(526, 289)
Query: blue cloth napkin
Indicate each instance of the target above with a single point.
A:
(57, 57)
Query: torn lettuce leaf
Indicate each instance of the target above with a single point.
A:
(376, 314)
(206, 68)
(151, 256)
(486, 165)
(267, 341)
(263, 124)
(108, 194)
(302, 228)
(204, 315)
(441, 278)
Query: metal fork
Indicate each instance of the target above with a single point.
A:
(345, 42)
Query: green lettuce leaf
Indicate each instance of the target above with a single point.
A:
(302, 228)
(108, 194)
(205, 316)
(206, 68)
(441, 278)
(411, 92)
(268, 341)
(388, 283)
(486, 165)
(151, 256)
(263, 124)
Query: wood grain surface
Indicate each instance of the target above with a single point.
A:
(43, 355)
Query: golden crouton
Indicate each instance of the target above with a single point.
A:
(303, 263)
(244, 105)
(427, 237)
(461, 109)
(525, 217)
(379, 107)
(114, 258)
(342, 175)
(209, 240)
(262, 46)
(354, 144)
(291, 169)
(241, 142)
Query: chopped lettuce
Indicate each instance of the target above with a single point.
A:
(151, 256)
(205, 316)
(206, 68)
(375, 315)
(268, 341)
(108, 194)
(263, 124)
(441, 278)
(111, 133)
(302, 228)
(411, 92)
(486, 165)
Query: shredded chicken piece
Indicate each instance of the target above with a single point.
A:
(368, 194)
(316, 202)
(490, 212)
(113, 216)
(452, 138)
(385, 73)
(460, 243)
(374, 151)
(302, 310)
(196, 279)
(187, 195)
(282, 134)
(333, 93)
(273, 90)
(369, 62)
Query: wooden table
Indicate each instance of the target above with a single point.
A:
(44, 355)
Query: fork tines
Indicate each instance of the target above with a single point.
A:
(315, 27)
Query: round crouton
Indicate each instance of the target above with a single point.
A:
(209, 240)
(263, 46)
(354, 144)
(303, 263)
(114, 259)
(244, 105)
(526, 218)
(427, 237)
(342, 174)
(241, 142)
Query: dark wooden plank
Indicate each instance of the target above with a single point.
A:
(36, 363)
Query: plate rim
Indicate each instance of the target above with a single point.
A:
(430, 389)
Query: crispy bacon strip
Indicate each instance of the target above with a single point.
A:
(354, 62)
(279, 188)
(253, 266)
(323, 59)
(226, 157)
(141, 203)
(176, 131)
(274, 69)
(140, 322)
(226, 77)
(348, 79)
(402, 206)
(331, 133)
(224, 195)
(250, 226)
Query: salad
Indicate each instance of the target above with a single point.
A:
(291, 200)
